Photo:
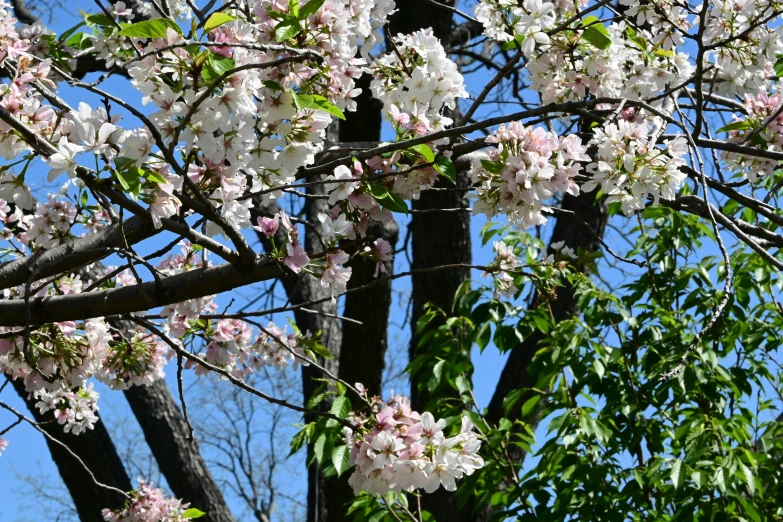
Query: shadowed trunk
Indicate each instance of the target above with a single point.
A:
(179, 460)
(575, 235)
(96, 450)
(437, 238)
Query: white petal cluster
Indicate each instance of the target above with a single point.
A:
(631, 169)
(148, 504)
(629, 68)
(528, 167)
(529, 20)
(420, 86)
(405, 451)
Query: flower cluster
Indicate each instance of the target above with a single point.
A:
(396, 449)
(416, 89)
(630, 168)
(529, 20)
(759, 129)
(528, 167)
(74, 410)
(505, 261)
(741, 64)
(632, 67)
(148, 504)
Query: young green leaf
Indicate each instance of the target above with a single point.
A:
(445, 168)
(217, 19)
(341, 407)
(424, 151)
(156, 28)
(737, 125)
(310, 8)
(287, 29)
(340, 457)
(130, 181)
(596, 34)
(100, 20)
(192, 513)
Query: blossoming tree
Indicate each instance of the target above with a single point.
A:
(663, 116)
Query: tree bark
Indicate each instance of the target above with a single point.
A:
(96, 450)
(178, 458)
(575, 234)
(437, 238)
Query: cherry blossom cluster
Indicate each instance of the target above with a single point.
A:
(396, 449)
(741, 64)
(417, 81)
(631, 169)
(149, 504)
(630, 67)
(75, 411)
(3, 445)
(505, 261)
(233, 347)
(763, 127)
(503, 20)
(528, 167)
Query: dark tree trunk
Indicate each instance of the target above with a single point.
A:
(516, 374)
(570, 229)
(308, 288)
(96, 450)
(179, 460)
(437, 238)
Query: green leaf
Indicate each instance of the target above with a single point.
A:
(320, 349)
(531, 405)
(298, 441)
(749, 479)
(130, 181)
(287, 29)
(596, 34)
(341, 407)
(445, 167)
(99, 19)
(483, 336)
(271, 84)
(388, 200)
(316, 102)
(193, 513)
(156, 28)
(340, 457)
(750, 510)
(320, 447)
(220, 64)
(720, 481)
(153, 176)
(599, 368)
(394, 203)
(676, 473)
(737, 125)
(79, 41)
(293, 8)
(463, 384)
(424, 151)
(310, 8)
(437, 370)
(217, 19)
(779, 67)
(493, 167)
(67, 34)
(377, 516)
